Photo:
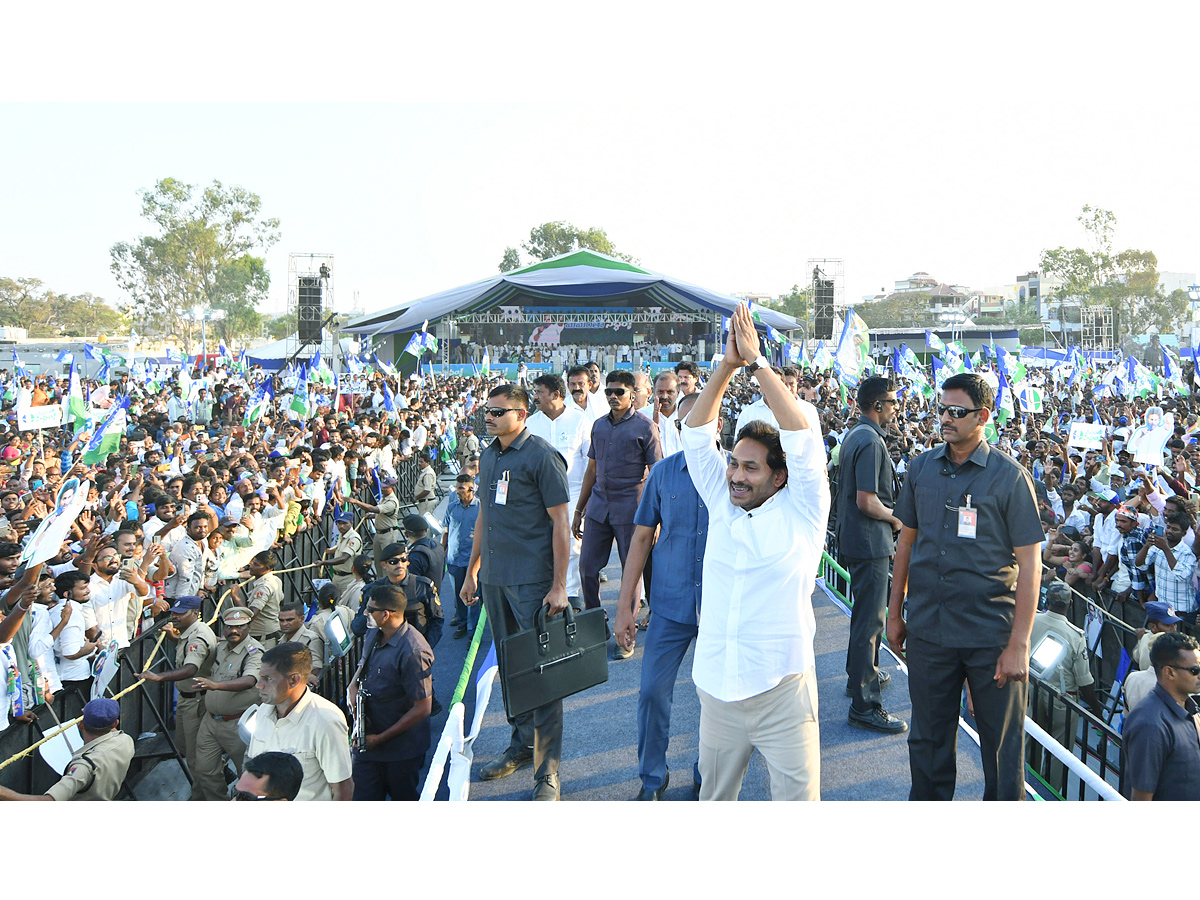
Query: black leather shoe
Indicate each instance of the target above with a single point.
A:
(546, 788)
(506, 764)
(884, 680)
(877, 720)
(643, 794)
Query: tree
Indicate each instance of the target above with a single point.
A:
(1126, 281)
(556, 238)
(511, 260)
(200, 257)
(280, 326)
(909, 309)
(22, 301)
(27, 303)
(797, 304)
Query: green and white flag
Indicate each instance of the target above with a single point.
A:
(258, 406)
(300, 396)
(76, 412)
(485, 367)
(107, 439)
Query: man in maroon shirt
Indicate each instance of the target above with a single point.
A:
(624, 447)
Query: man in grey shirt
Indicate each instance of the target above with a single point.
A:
(519, 556)
(969, 562)
(865, 530)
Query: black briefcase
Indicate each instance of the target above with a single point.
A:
(561, 656)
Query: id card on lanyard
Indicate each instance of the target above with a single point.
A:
(968, 520)
(502, 489)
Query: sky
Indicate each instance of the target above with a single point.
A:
(725, 149)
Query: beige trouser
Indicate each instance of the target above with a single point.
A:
(780, 723)
(188, 713)
(216, 739)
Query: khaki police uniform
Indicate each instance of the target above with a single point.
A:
(426, 481)
(197, 646)
(97, 770)
(218, 727)
(387, 527)
(1072, 673)
(264, 596)
(350, 543)
(315, 642)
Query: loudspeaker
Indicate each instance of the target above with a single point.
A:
(308, 311)
(823, 309)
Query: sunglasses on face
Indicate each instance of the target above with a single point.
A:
(396, 560)
(957, 412)
(1194, 670)
(497, 411)
(615, 392)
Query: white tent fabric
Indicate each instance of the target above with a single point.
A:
(582, 277)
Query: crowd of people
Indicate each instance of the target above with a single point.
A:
(197, 499)
(205, 490)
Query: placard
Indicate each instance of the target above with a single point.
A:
(30, 418)
(353, 383)
(1086, 437)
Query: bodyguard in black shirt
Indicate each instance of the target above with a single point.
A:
(865, 534)
(519, 557)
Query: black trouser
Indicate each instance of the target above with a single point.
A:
(396, 780)
(935, 680)
(868, 591)
(511, 608)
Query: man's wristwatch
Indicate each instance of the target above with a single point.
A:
(758, 363)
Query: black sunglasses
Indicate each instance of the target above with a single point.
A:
(1195, 670)
(496, 411)
(957, 412)
(396, 559)
(615, 392)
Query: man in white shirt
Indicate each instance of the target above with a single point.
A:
(666, 396)
(759, 410)
(581, 395)
(768, 507)
(569, 431)
(116, 602)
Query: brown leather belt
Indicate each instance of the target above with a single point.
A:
(232, 718)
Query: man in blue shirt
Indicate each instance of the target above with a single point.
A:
(457, 536)
(1162, 746)
(670, 503)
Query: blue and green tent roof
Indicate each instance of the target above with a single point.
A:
(582, 278)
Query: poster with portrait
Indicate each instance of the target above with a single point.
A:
(47, 540)
(354, 383)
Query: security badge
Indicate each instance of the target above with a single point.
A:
(502, 489)
(968, 519)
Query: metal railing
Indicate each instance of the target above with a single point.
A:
(145, 715)
(1087, 736)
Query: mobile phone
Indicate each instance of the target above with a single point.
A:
(1158, 529)
(131, 510)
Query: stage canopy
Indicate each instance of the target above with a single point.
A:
(581, 279)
